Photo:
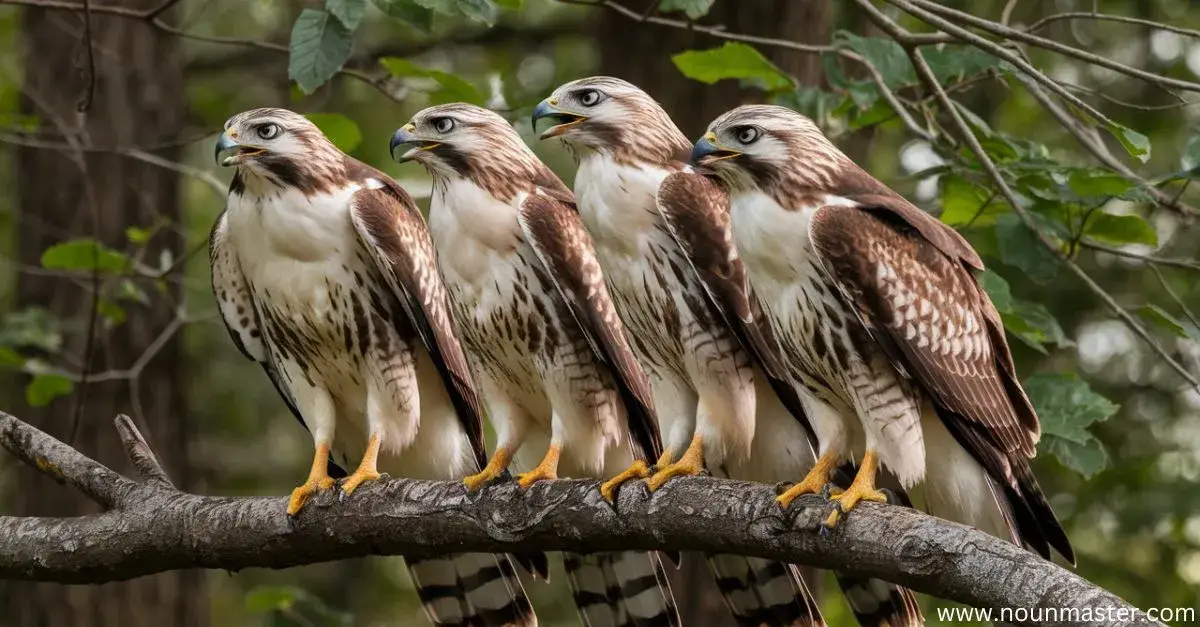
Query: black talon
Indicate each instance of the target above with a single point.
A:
(783, 486)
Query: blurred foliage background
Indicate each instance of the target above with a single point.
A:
(108, 190)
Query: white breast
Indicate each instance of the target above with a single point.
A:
(294, 245)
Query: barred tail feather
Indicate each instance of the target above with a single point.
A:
(627, 589)
(471, 589)
(763, 592)
(877, 603)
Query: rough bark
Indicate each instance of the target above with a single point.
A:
(153, 527)
(137, 100)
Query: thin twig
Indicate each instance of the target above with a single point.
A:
(1162, 280)
(707, 30)
(1013, 34)
(221, 189)
(1149, 259)
(1105, 17)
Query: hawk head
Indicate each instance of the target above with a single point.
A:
(280, 148)
(609, 116)
(463, 141)
(770, 149)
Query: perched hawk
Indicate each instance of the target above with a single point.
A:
(549, 350)
(661, 248)
(879, 314)
(325, 275)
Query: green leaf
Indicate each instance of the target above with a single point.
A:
(1099, 183)
(273, 598)
(1123, 229)
(137, 236)
(1190, 162)
(1067, 405)
(32, 327)
(348, 12)
(732, 60)
(10, 358)
(445, 7)
(113, 313)
(997, 289)
(83, 254)
(44, 388)
(1163, 320)
(1086, 458)
(962, 200)
(340, 130)
(320, 46)
(453, 88)
(1136, 144)
(511, 5)
(952, 63)
(885, 54)
(483, 11)
(812, 102)
(1020, 248)
(695, 9)
(409, 12)
(1034, 325)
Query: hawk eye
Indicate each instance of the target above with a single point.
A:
(443, 125)
(590, 98)
(748, 135)
(268, 130)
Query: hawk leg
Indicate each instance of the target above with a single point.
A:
(548, 469)
(691, 464)
(318, 480)
(495, 467)
(812, 483)
(862, 489)
(366, 468)
(639, 470)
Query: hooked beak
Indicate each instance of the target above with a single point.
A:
(708, 151)
(230, 152)
(548, 109)
(405, 138)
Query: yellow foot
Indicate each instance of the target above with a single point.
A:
(812, 483)
(861, 489)
(301, 494)
(360, 476)
(547, 470)
(495, 467)
(691, 464)
(366, 468)
(639, 470)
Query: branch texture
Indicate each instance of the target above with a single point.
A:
(154, 527)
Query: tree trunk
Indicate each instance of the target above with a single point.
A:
(641, 54)
(137, 101)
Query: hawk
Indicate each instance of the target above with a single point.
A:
(879, 314)
(547, 346)
(324, 274)
(659, 240)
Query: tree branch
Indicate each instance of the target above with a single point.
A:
(156, 528)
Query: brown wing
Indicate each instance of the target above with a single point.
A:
(393, 231)
(696, 212)
(916, 295)
(556, 232)
(927, 309)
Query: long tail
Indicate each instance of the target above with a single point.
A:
(763, 592)
(628, 589)
(878, 603)
(471, 589)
